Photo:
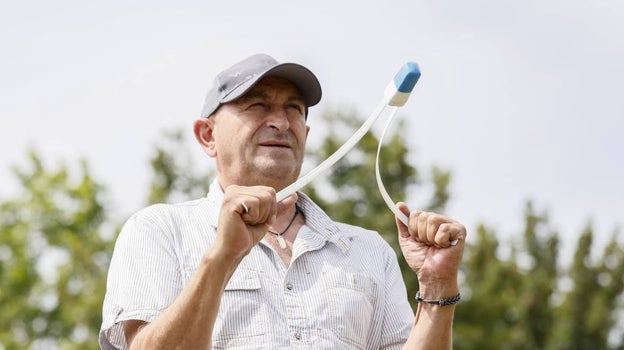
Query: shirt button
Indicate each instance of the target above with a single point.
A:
(289, 286)
(298, 336)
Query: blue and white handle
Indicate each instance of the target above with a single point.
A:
(396, 95)
(399, 89)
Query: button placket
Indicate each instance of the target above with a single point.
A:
(296, 319)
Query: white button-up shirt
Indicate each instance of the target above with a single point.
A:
(342, 290)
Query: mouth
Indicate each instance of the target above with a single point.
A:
(275, 143)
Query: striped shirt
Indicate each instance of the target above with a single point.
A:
(342, 290)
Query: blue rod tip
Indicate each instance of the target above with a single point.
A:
(406, 78)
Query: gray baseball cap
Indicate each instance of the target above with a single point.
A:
(235, 81)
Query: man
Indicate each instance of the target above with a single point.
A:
(238, 270)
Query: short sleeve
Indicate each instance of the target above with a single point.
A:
(398, 313)
(144, 276)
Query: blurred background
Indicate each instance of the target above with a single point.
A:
(515, 129)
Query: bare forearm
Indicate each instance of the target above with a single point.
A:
(433, 325)
(188, 322)
(432, 328)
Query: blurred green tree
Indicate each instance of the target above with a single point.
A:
(527, 301)
(593, 305)
(54, 254)
(175, 177)
(508, 302)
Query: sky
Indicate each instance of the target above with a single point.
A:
(520, 100)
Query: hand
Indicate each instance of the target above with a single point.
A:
(426, 246)
(245, 217)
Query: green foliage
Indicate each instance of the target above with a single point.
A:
(525, 301)
(591, 308)
(502, 303)
(174, 175)
(53, 260)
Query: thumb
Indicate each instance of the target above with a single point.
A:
(402, 228)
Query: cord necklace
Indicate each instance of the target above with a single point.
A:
(278, 236)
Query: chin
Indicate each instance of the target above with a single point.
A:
(279, 167)
(280, 175)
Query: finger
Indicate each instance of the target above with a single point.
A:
(262, 206)
(429, 227)
(452, 234)
(251, 210)
(247, 207)
(445, 232)
(422, 226)
(401, 227)
(255, 205)
(458, 234)
(433, 225)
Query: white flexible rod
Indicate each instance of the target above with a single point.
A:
(336, 156)
(384, 194)
(396, 94)
(382, 189)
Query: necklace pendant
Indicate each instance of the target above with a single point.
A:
(281, 241)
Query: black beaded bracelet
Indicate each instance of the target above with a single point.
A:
(441, 302)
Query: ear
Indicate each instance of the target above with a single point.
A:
(203, 128)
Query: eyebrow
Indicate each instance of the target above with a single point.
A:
(264, 96)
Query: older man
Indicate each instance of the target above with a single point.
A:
(239, 270)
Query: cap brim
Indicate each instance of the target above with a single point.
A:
(300, 76)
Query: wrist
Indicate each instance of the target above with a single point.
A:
(445, 301)
(438, 290)
(226, 263)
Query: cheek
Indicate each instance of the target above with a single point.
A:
(222, 141)
(236, 140)
(304, 136)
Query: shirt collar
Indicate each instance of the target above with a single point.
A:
(321, 223)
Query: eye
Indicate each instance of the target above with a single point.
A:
(257, 105)
(295, 107)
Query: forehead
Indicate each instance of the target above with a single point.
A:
(271, 87)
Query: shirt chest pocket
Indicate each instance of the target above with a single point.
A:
(352, 301)
(242, 314)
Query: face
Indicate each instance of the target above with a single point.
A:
(259, 138)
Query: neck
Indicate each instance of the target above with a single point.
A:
(276, 184)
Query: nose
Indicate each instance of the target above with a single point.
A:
(278, 119)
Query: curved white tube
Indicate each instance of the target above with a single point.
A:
(382, 189)
(396, 94)
(336, 156)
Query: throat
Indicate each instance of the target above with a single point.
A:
(279, 236)
(282, 241)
